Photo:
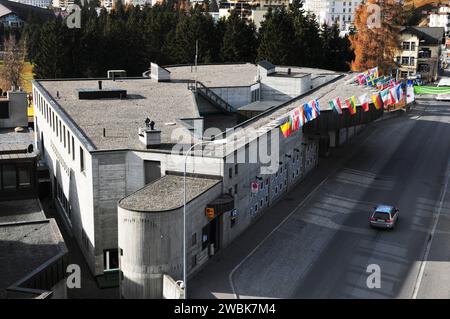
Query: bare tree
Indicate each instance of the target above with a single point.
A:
(13, 64)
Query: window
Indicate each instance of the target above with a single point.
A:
(405, 60)
(60, 132)
(236, 169)
(111, 259)
(24, 174)
(194, 239)
(56, 125)
(82, 160)
(64, 136)
(413, 46)
(73, 149)
(230, 191)
(4, 110)
(235, 188)
(8, 177)
(230, 173)
(406, 46)
(68, 141)
(411, 61)
(423, 67)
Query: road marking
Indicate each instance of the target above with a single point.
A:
(333, 173)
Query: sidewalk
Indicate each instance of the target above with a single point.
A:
(212, 281)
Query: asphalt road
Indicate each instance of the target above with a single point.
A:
(323, 249)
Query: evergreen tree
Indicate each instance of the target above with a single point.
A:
(52, 59)
(277, 37)
(239, 40)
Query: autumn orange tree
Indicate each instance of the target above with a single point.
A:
(376, 37)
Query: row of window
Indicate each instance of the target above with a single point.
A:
(406, 60)
(14, 177)
(59, 129)
(62, 199)
(409, 46)
(336, 18)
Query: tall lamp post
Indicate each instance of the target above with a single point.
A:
(215, 142)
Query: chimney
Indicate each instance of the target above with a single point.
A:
(148, 136)
(289, 71)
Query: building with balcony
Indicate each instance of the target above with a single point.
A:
(420, 52)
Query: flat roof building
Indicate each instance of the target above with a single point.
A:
(116, 151)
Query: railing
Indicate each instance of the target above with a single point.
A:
(211, 96)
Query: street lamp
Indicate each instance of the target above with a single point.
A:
(214, 142)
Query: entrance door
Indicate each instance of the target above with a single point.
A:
(215, 232)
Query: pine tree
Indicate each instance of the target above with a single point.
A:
(53, 58)
(239, 40)
(277, 38)
(376, 46)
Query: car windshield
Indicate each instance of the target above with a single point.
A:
(381, 215)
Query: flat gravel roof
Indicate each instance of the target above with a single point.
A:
(166, 193)
(161, 102)
(216, 75)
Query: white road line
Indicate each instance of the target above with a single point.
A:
(230, 276)
(430, 241)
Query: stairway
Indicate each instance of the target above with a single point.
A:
(212, 97)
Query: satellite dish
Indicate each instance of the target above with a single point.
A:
(30, 148)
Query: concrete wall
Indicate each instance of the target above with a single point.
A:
(18, 104)
(150, 245)
(235, 96)
(77, 185)
(277, 88)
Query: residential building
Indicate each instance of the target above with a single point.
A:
(124, 140)
(420, 53)
(33, 253)
(441, 18)
(333, 11)
(15, 14)
(37, 3)
(250, 10)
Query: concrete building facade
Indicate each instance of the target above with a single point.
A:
(116, 151)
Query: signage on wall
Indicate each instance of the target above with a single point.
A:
(209, 212)
(254, 187)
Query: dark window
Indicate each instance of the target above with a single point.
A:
(111, 259)
(73, 148)
(406, 46)
(4, 110)
(235, 188)
(24, 174)
(81, 160)
(230, 172)
(9, 178)
(194, 239)
(64, 132)
(236, 169)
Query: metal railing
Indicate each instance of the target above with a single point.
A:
(212, 97)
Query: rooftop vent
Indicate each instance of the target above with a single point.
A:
(113, 74)
(101, 93)
(158, 73)
(148, 136)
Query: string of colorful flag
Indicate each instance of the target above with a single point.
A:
(389, 92)
(299, 116)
